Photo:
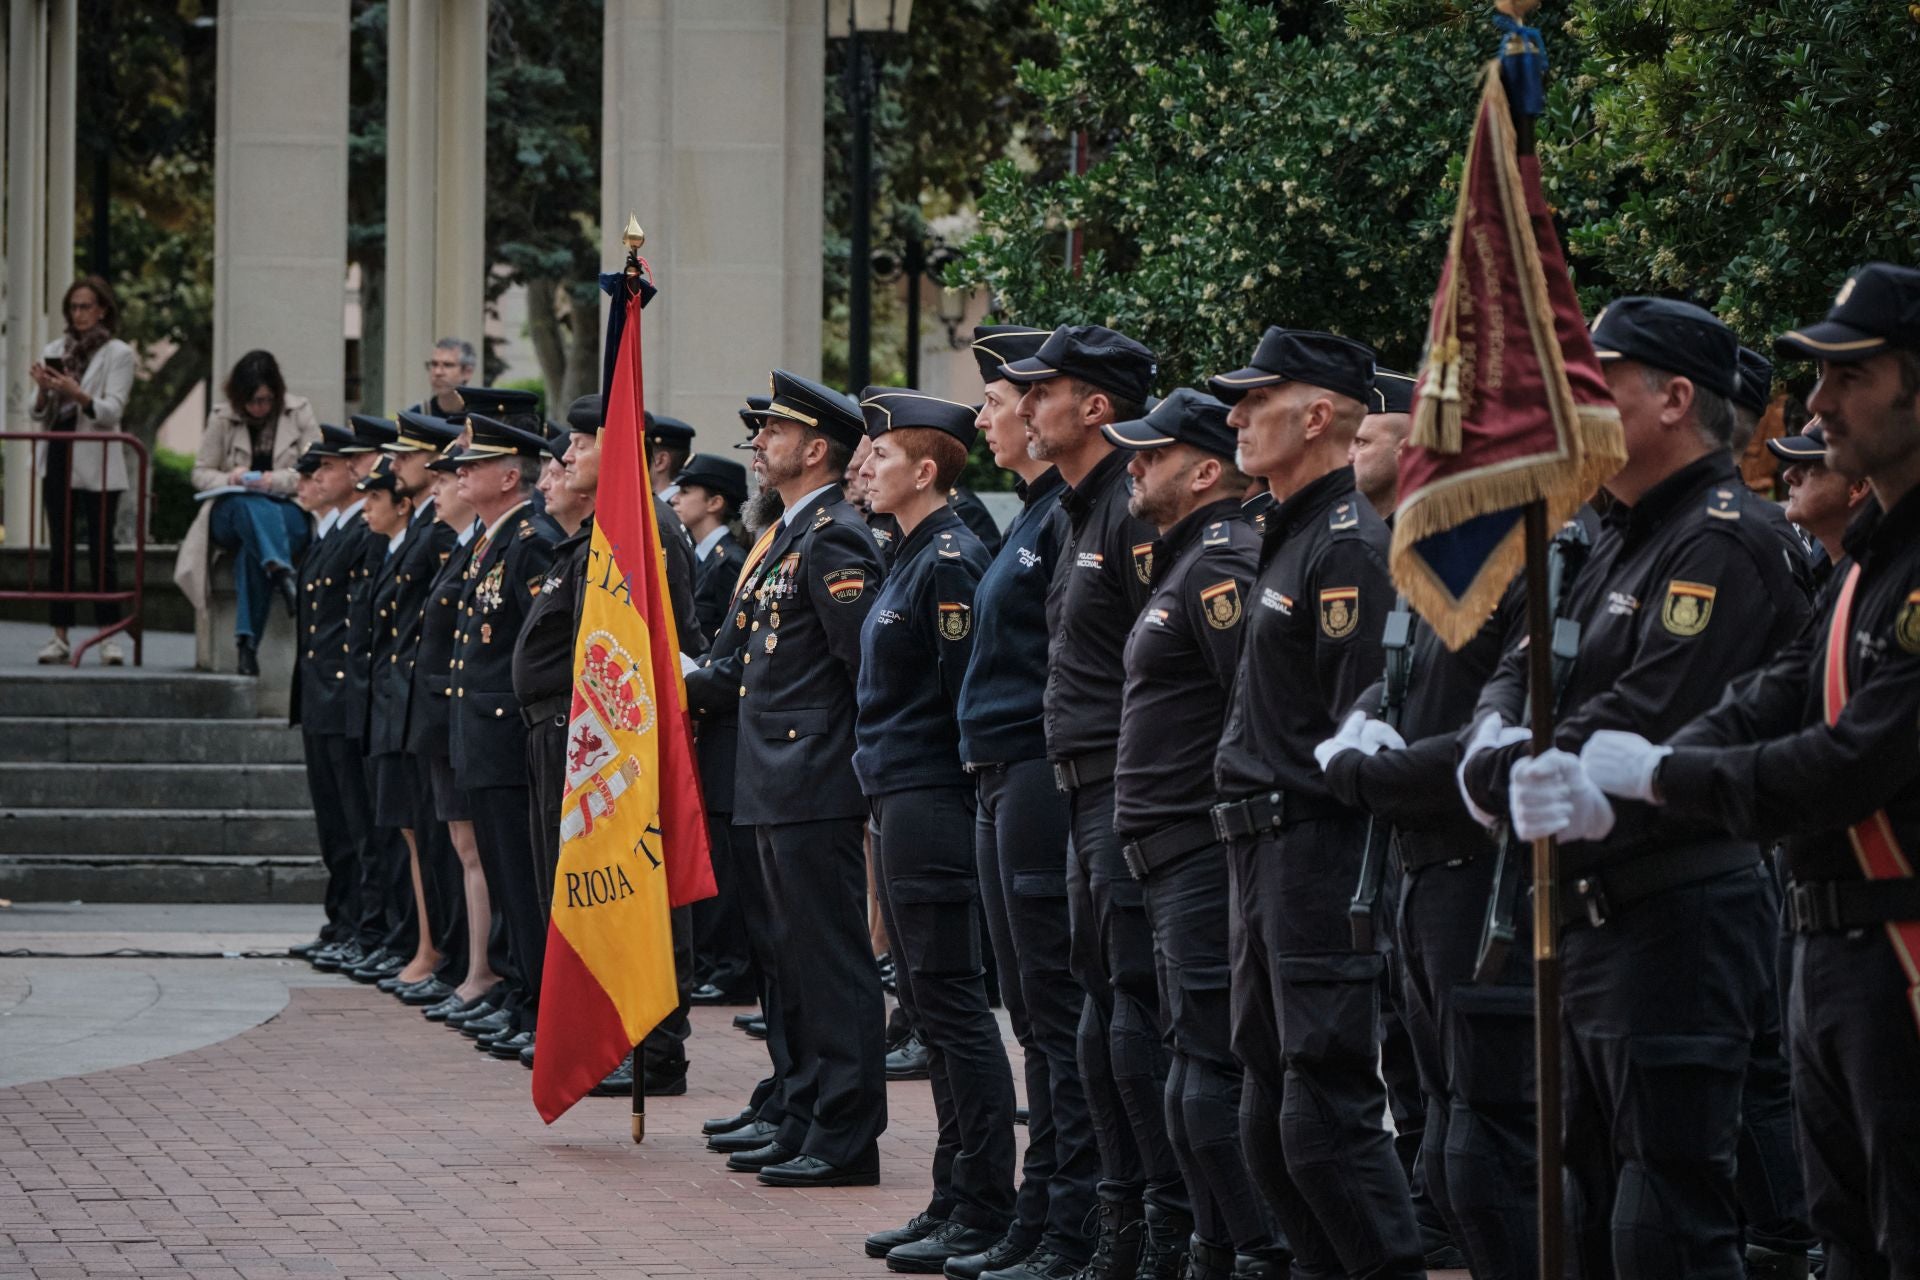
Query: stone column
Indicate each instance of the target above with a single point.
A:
(713, 113)
(280, 178)
(436, 186)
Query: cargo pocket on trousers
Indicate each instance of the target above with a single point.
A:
(1040, 884)
(937, 921)
(1329, 1007)
(1681, 1098)
(1490, 1045)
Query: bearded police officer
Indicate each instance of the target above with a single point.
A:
(1667, 923)
(794, 678)
(1180, 660)
(1306, 1005)
(1082, 378)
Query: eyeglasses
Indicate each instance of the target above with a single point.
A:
(443, 364)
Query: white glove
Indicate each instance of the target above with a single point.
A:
(1490, 733)
(1378, 735)
(687, 665)
(1349, 738)
(1592, 814)
(1623, 764)
(1540, 794)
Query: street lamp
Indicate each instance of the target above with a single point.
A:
(855, 20)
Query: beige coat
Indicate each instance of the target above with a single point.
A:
(109, 380)
(225, 446)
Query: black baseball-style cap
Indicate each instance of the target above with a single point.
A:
(1095, 355)
(1391, 392)
(1184, 417)
(998, 344)
(381, 479)
(1324, 360)
(1755, 388)
(1809, 446)
(811, 404)
(1674, 336)
(495, 439)
(1878, 308)
(897, 408)
(422, 433)
(723, 476)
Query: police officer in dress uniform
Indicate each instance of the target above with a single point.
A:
(794, 678)
(1668, 924)
(1180, 660)
(1821, 748)
(1020, 847)
(488, 737)
(1821, 502)
(913, 655)
(1305, 1004)
(1083, 377)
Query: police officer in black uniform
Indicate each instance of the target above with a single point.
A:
(510, 561)
(1821, 748)
(1180, 661)
(1020, 845)
(1667, 923)
(1083, 377)
(794, 678)
(913, 656)
(1306, 1004)
(711, 490)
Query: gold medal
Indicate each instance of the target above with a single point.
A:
(740, 619)
(772, 640)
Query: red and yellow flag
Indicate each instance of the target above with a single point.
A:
(633, 831)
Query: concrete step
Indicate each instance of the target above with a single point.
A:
(127, 695)
(155, 786)
(64, 877)
(48, 738)
(159, 832)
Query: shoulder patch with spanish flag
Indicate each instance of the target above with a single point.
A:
(1221, 603)
(1906, 624)
(1339, 611)
(1688, 607)
(846, 585)
(956, 620)
(1143, 561)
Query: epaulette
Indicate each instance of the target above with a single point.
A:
(822, 520)
(1343, 516)
(1216, 535)
(946, 549)
(1724, 504)
(526, 527)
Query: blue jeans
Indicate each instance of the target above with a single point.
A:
(261, 531)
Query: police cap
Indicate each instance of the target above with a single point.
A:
(1674, 336)
(897, 408)
(1876, 309)
(998, 344)
(1324, 360)
(1185, 417)
(1095, 355)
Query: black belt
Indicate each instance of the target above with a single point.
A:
(556, 707)
(1151, 852)
(1594, 897)
(1083, 771)
(974, 768)
(1275, 811)
(1835, 906)
(1433, 853)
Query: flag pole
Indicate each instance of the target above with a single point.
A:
(639, 1095)
(633, 236)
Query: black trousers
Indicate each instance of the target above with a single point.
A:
(440, 877)
(92, 515)
(1020, 853)
(1186, 903)
(721, 951)
(501, 828)
(1473, 1043)
(1123, 1054)
(1856, 1057)
(337, 783)
(386, 888)
(1773, 1195)
(923, 869)
(769, 1098)
(815, 876)
(1659, 1018)
(1306, 1013)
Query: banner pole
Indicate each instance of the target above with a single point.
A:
(639, 1095)
(1546, 932)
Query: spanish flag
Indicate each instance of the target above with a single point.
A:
(633, 832)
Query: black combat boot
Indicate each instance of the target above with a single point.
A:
(1164, 1249)
(1116, 1254)
(1208, 1261)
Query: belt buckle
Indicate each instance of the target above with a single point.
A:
(1592, 892)
(1803, 908)
(1065, 776)
(1218, 815)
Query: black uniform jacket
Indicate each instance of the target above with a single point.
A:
(324, 595)
(715, 703)
(1766, 763)
(430, 704)
(1312, 639)
(363, 584)
(488, 737)
(678, 550)
(1099, 585)
(1001, 704)
(801, 612)
(543, 651)
(713, 580)
(399, 590)
(913, 657)
(1684, 591)
(1180, 661)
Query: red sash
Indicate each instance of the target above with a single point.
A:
(1874, 846)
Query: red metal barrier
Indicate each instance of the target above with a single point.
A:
(131, 598)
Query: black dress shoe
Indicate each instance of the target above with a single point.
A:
(910, 1061)
(453, 1005)
(526, 1057)
(381, 964)
(487, 1040)
(618, 1084)
(509, 1048)
(421, 994)
(812, 1171)
(918, 1227)
(708, 993)
(756, 1029)
(750, 1136)
(305, 950)
(475, 1009)
(1009, 1250)
(743, 1020)
(759, 1158)
(727, 1124)
(246, 658)
(928, 1256)
(474, 1028)
(346, 955)
(390, 984)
